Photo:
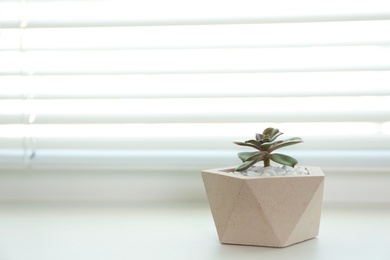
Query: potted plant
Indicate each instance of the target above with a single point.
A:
(268, 205)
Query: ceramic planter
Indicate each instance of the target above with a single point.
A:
(264, 211)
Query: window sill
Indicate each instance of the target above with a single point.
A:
(174, 232)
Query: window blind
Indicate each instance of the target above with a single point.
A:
(146, 87)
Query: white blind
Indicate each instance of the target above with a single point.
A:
(145, 86)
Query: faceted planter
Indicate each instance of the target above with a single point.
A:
(275, 211)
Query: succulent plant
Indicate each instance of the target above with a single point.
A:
(265, 144)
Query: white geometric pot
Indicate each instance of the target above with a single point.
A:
(275, 211)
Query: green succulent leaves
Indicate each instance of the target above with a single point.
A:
(283, 159)
(250, 158)
(265, 144)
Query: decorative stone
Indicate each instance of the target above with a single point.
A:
(275, 170)
(252, 173)
(291, 173)
(280, 172)
(274, 211)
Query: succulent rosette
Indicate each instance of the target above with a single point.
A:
(265, 144)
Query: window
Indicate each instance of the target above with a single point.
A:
(96, 92)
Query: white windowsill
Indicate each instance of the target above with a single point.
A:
(35, 232)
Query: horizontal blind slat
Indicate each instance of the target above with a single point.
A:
(196, 61)
(120, 13)
(329, 135)
(376, 109)
(170, 132)
(249, 117)
(379, 142)
(190, 159)
(201, 36)
(345, 83)
(194, 130)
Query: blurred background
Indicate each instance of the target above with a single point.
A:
(127, 101)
